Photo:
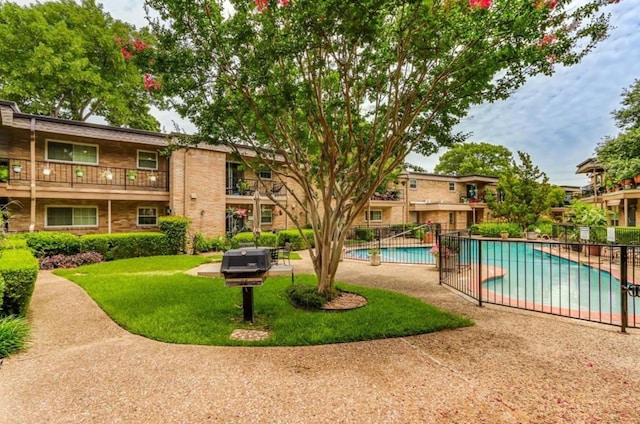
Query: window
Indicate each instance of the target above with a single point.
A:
(413, 183)
(147, 160)
(373, 216)
(67, 216)
(452, 186)
(452, 218)
(72, 152)
(147, 216)
(266, 216)
(265, 174)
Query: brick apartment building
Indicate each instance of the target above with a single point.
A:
(88, 178)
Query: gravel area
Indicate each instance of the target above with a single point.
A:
(511, 367)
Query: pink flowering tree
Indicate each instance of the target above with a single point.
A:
(340, 92)
(61, 59)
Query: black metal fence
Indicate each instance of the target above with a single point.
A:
(406, 243)
(587, 281)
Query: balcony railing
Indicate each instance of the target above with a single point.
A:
(248, 187)
(76, 175)
(390, 195)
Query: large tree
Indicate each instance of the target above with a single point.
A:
(523, 193)
(341, 91)
(475, 158)
(71, 61)
(620, 155)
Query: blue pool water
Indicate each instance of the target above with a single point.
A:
(409, 255)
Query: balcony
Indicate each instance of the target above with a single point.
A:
(54, 174)
(390, 196)
(247, 187)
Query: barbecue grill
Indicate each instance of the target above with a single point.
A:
(246, 268)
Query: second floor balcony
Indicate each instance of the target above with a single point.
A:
(55, 174)
(248, 186)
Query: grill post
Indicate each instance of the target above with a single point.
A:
(247, 304)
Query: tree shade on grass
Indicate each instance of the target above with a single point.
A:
(173, 307)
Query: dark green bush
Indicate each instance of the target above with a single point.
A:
(133, 245)
(475, 229)
(14, 332)
(307, 297)
(297, 242)
(365, 234)
(175, 228)
(399, 228)
(126, 245)
(243, 239)
(19, 269)
(49, 243)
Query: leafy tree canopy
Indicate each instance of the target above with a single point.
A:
(620, 155)
(475, 158)
(62, 59)
(523, 193)
(340, 92)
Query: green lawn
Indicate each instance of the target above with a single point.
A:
(152, 297)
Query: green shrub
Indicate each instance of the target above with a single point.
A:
(175, 228)
(399, 228)
(133, 245)
(243, 239)
(19, 269)
(13, 335)
(126, 245)
(1, 291)
(13, 243)
(493, 229)
(418, 233)
(307, 297)
(365, 234)
(475, 229)
(297, 242)
(49, 243)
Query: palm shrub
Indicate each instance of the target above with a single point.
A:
(14, 332)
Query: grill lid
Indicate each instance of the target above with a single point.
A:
(248, 260)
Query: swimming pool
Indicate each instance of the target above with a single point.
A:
(410, 255)
(531, 276)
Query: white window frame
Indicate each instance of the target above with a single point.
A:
(269, 212)
(138, 224)
(369, 214)
(452, 186)
(73, 143)
(72, 207)
(265, 171)
(413, 184)
(146, 167)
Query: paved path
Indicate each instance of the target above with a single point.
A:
(512, 367)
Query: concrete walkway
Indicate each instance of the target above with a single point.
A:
(512, 367)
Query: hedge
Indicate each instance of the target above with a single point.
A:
(265, 239)
(365, 234)
(49, 243)
(293, 236)
(19, 270)
(493, 229)
(127, 245)
(175, 228)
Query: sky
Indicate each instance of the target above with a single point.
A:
(558, 120)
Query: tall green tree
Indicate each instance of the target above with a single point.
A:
(475, 158)
(64, 60)
(620, 155)
(340, 91)
(523, 193)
